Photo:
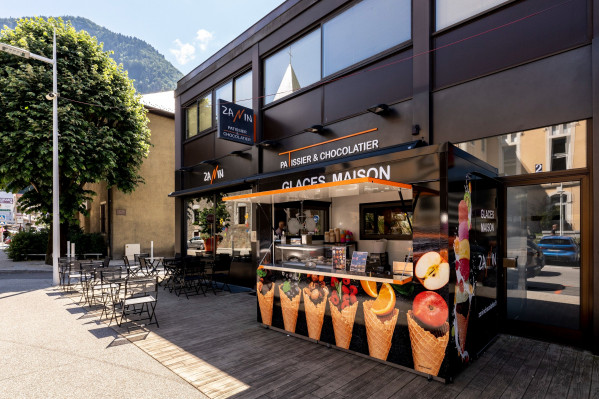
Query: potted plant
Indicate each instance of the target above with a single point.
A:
(212, 221)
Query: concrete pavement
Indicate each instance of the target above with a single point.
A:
(50, 348)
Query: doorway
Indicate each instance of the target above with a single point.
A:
(544, 232)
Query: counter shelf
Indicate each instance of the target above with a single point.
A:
(328, 271)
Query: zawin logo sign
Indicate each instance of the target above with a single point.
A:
(235, 123)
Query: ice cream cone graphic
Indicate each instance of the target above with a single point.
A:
(462, 330)
(315, 313)
(343, 324)
(290, 309)
(379, 331)
(265, 301)
(428, 349)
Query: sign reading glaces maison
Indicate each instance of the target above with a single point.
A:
(235, 123)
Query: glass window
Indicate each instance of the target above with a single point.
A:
(364, 30)
(293, 67)
(192, 120)
(559, 147)
(243, 90)
(449, 12)
(543, 237)
(205, 107)
(224, 92)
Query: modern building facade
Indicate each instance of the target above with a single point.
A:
(338, 87)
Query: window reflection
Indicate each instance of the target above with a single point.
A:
(224, 92)
(364, 30)
(205, 107)
(449, 12)
(243, 90)
(543, 237)
(293, 67)
(552, 148)
(192, 120)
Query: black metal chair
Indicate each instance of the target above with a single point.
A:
(132, 270)
(140, 297)
(190, 278)
(221, 271)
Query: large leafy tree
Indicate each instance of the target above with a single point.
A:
(102, 124)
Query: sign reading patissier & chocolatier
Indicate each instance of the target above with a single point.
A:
(235, 123)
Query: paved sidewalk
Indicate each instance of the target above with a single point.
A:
(50, 348)
(8, 266)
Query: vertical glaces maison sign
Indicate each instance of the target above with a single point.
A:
(235, 123)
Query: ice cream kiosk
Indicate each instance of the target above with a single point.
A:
(430, 304)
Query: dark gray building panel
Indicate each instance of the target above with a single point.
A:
(550, 91)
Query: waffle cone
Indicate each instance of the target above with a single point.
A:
(343, 324)
(314, 313)
(462, 323)
(378, 333)
(428, 351)
(289, 308)
(266, 302)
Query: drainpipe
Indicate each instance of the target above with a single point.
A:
(109, 216)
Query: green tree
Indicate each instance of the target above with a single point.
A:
(97, 143)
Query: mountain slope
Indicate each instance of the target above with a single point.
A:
(150, 70)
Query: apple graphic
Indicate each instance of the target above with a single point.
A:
(430, 309)
(432, 271)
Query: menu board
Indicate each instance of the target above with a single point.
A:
(358, 261)
(338, 257)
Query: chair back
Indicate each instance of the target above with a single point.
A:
(142, 262)
(110, 273)
(141, 286)
(106, 261)
(126, 260)
(222, 263)
(140, 255)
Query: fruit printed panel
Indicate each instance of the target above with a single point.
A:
(403, 324)
(472, 211)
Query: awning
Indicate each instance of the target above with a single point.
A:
(345, 188)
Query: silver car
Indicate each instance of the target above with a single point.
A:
(195, 242)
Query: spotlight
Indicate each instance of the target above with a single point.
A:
(379, 109)
(209, 162)
(415, 130)
(268, 144)
(51, 96)
(315, 129)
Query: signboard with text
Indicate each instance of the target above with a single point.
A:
(235, 123)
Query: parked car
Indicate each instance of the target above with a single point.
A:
(560, 249)
(195, 242)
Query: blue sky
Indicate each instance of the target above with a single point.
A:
(187, 32)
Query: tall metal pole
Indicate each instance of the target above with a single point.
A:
(55, 193)
(561, 215)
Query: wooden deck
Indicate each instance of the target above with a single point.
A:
(216, 345)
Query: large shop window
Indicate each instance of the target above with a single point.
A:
(364, 30)
(227, 224)
(552, 148)
(360, 32)
(449, 12)
(293, 67)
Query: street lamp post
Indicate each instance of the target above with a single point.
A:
(54, 97)
(561, 215)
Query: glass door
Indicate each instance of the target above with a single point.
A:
(543, 232)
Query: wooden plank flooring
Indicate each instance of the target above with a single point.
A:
(215, 344)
